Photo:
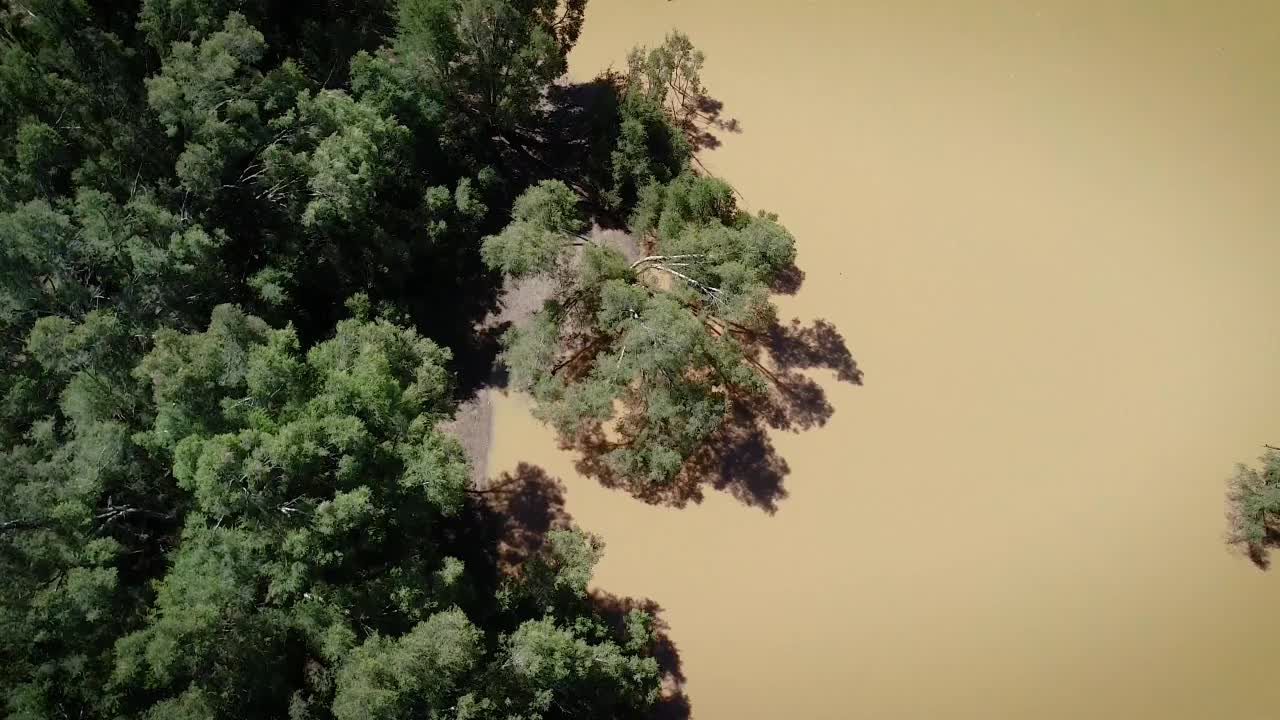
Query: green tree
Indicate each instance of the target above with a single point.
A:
(417, 674)
(206, 94)
(544, 222)
(651, 349)
(208, 514)
(306, 568)
(344, 154)
(670, 77)
(492, 58)
(1254, 506)
(165, 22)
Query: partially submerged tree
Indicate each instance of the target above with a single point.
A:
(643, 355)
(666, 115)
(670, 76)
(1254, 506)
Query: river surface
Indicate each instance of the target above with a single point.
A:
(1048, 232)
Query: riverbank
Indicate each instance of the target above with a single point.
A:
(1047, 233)
(472, 424)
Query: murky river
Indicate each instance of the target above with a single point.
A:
(1050, 233)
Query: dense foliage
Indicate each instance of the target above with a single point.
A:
(653, 348)
(637, 361)
(1254, 506)
(237, 241)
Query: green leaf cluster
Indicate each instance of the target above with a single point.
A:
(639, 360)
(221, 496)
(1254, 506)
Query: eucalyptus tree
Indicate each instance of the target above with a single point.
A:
(217, 499)
(1254, 506)
(644, 353)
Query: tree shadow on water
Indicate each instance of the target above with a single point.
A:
(673, 703)
(702, 119)
(788, 280)
(740, 458)
(529, 503)
(1259, 556)
(521, 507)
(579, 131)
(819, 346)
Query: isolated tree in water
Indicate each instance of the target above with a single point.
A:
(642, 355)
(1254, 506)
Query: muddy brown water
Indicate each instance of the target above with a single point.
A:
(1048, 232)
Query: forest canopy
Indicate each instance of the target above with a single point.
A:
(244, 249)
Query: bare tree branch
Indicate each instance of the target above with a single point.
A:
(659, 258)
(20, 524)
